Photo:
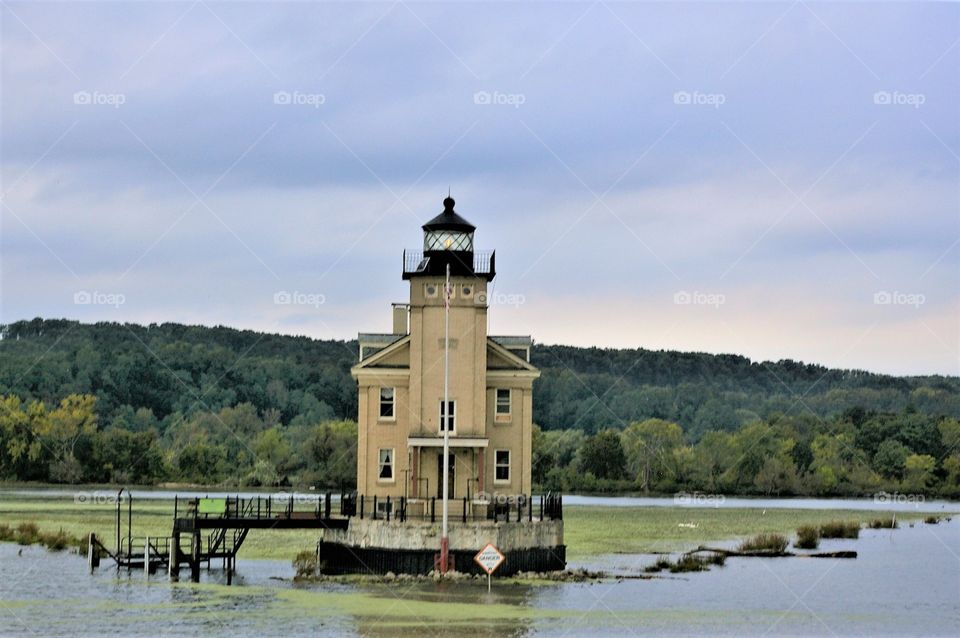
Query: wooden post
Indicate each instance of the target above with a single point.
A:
(173, 560)
(91, 551)
(119, 501)
(195, 558)
(129, 525)
(146, 558)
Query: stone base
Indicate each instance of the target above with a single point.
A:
(340, 559)
(411, 547)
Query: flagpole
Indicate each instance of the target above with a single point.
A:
(445, 423)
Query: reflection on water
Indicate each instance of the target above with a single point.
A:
(905, 581)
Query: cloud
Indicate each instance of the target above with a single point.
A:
(219, 153)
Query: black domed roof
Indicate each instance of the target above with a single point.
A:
(449, 220)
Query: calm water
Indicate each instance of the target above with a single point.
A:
(905, 582)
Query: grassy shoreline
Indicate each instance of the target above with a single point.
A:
(589, 530)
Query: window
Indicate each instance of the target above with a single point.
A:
(387, 403)
(386, 465)
(503, 401)
(448, 240)
(501, 466)
(448, 417)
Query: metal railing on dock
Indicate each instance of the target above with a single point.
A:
(211, 528)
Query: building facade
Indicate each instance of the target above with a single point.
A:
(400, 375)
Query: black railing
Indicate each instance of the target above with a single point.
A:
(484, 262)
(505, 508)
(513, 508)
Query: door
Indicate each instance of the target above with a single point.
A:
(452, 474)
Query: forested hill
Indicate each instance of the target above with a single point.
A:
(175, 371)
(596, 388)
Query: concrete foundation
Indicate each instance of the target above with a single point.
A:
(377, 546)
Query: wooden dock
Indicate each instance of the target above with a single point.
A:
(210, 529)
(207, 529)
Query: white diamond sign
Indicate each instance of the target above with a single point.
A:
(489, 558)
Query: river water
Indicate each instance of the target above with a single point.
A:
(904, 582)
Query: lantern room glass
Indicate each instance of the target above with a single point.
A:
(448, 240)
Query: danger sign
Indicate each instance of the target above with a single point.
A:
(489, 558)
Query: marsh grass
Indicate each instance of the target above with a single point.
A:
(687, 563)
(766, 542)
(306, 564)
(808, 537)
(588, 530)
(29, 533)
(931, 520)
(659, 566)
(886, 522)
(840, 529)
(691, 563)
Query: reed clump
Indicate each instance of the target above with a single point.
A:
(661, 564)
(808, 537)
(29, 533)
(884, 523)
(687, 563)
(840, 529)
(773, 543)
(306, 564)
(931, 520)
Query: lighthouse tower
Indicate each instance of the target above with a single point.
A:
(436, 387)
(402, 416)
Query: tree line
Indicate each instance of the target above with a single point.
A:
(858, 453)
(111, 402)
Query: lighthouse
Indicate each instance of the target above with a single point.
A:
(441, 334)
(445, 423)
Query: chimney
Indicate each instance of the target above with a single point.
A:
(400, 313)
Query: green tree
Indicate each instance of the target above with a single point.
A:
(918, 472)
(602, 456)
(649, 447)
(891, 458)
(715, 456)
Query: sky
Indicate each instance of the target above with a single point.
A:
(778, 180)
